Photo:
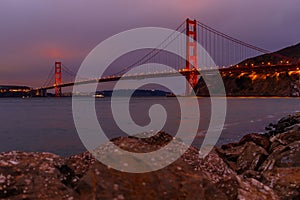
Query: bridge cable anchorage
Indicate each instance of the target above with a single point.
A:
(154, 50)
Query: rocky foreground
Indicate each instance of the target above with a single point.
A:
(257, 167)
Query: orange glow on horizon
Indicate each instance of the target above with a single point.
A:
(58, 52)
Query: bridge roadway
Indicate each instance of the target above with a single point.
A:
(116, 78)
(261, 69)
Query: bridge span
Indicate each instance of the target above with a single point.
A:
(224, 51)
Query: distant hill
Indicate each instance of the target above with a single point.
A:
(289, 54)
(136, 93)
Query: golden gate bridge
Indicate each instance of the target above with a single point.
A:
(228, 54)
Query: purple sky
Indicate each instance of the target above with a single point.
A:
(35, 33)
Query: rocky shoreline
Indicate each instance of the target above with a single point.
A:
(259, 166)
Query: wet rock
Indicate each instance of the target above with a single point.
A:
(283, 124)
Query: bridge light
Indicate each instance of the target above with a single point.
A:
(269, 63)
(287, 62)
(252, 65)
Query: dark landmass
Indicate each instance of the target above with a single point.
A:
(262, 83)
(289, 54)
(266, 81)
(259, 166)
(14, 91)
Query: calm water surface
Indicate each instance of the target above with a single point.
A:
(46, 124)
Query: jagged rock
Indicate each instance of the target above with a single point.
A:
(295, 127)
(283, 156)
(231, 154)
(214, 166)
(251, 157)
(237, 187)
(247, 156)
(284, 124)
(284, 181)
(284, 139)
(229, 145)
(253, 189)
(258, 139)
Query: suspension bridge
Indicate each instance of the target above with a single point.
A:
(227, 54)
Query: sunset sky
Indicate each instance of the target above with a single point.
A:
(34, 33)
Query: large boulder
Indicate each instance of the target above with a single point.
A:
(190, 177)
(177, 181)
(33, 176)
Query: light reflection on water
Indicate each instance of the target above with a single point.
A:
(46, 124)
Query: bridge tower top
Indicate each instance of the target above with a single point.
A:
(58, 79)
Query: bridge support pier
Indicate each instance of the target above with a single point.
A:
(40, 93)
